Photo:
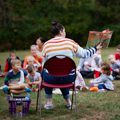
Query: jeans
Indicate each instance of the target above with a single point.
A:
(58, 80)
(102, 86)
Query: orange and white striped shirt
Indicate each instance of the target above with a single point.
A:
(65, 46)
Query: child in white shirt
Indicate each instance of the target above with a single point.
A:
(33, 78)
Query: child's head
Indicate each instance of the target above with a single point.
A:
(30, 60)
(33, 50)
(31, 69)
(118, 49)
(12, 55)
(111, 58)
(105, 68)
(16, 64)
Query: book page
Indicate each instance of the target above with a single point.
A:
(95, 37)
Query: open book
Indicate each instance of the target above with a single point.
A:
(95, 37)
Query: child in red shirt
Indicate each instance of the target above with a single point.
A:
(117, 53)
(8, 65)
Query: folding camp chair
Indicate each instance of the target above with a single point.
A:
(58, 66)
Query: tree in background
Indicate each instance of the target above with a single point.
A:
(22, 21)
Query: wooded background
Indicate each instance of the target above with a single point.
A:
(22, 21)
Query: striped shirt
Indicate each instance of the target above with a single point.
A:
(65, 46)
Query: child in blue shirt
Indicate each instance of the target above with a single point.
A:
(14, 80)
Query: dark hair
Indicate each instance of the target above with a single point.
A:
(56, 28)
(41, 38)
(106, 68)
(30, 68)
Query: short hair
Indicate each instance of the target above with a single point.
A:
(11, 52)
(30, 68)
(56, 28)
(106, 67)
(30, 57)
(14, 62)
(41, 38)
(33, 46)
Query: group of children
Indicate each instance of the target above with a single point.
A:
(102, 72)
(23, 76)
(17, 71)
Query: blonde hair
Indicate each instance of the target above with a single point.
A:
(15, 62)
(30, 58)
(33, 47)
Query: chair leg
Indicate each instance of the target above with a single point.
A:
(40, 104)
(75, 101)
(37, 100)
(72, 100)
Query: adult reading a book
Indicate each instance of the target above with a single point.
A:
(60, 45)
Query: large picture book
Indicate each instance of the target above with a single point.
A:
(95, 37)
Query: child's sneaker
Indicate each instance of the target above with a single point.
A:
(57, 91)
(48, 106)
(101, 90)
(5, 88)
(68, 106)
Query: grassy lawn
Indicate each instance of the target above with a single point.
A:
(91, 106)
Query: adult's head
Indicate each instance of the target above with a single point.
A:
(58, 29)
(39, 41)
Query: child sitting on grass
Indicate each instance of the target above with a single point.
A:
(8, 64)
(117, 53)
(33, 78)
(115, 66)
(14, 80)
(37, 58)
(1, 73)
(104, 82)
(31, 61)
(79, 82)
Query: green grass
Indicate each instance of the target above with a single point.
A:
(91, 106)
